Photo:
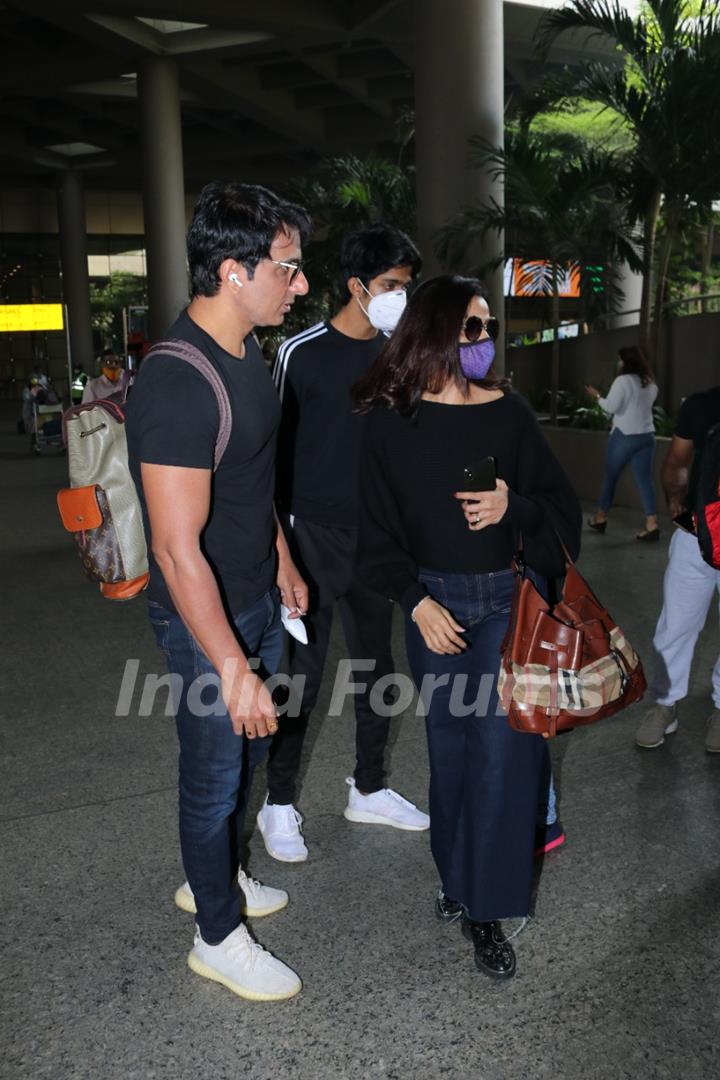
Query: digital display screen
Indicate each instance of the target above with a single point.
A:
(534, 278)
(14, 318)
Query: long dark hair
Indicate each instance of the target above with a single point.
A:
(635, 362)
(423, 352)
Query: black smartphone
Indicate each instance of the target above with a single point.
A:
(685, 521)
(482, 476)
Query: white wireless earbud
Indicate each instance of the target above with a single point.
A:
(236, 280)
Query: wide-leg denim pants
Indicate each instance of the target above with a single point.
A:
(215, 765)
(484, 777)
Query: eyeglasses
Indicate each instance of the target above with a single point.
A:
(293, 268)
(474, 327)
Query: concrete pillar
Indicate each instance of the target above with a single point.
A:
(459, 92)
(74, 265)
(628, 309)
(163, 192)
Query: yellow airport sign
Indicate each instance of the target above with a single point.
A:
(15, 318)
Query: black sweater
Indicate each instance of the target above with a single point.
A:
(319, 444)
(410, 469)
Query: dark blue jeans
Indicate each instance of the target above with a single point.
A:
(216, 765)
(639, 451)
(484, 777)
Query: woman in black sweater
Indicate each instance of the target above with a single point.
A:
(434, 408)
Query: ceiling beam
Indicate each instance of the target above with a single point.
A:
(21, 75)
(326, 66)
(13, 147)
(366, 63)
(204, 146)
(273, 16)
(391, 87)
(372, 12)
(239, 89)
(188, 41)
(349, 123)
(75, 24)
(290, 74)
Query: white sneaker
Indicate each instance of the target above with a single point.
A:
(658, 721)
(280, 829)
(257, 900)
(384, 807)
(244, 967)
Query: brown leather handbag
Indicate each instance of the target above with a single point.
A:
(567, 664)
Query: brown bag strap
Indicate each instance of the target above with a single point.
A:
(183, 350)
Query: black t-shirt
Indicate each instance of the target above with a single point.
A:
(410, 469)
(319, 444)
(697, 415)
(173, 419)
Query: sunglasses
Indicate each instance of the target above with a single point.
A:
(474, 327)
(294, 268)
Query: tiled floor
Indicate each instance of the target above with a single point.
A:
(617, 976)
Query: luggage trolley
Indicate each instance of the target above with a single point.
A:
(46, 427)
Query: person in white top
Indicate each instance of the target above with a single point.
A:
(111, 382)
(630, 402)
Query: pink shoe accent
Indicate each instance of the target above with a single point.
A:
(557, 842)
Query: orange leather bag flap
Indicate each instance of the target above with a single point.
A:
(79, 508)
(124, 590)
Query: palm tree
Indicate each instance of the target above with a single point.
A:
(664, 90)
(345, 193)
(562, 209)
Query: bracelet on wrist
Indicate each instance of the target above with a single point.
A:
(412, 613)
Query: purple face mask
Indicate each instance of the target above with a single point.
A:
(476, 359)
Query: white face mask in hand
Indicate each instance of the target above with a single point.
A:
(385, 309)
(294, 627)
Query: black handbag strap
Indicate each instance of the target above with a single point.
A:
(520, 568)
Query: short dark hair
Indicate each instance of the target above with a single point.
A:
(237, 221)
(423, 351)
(365, 253)
(635, 362)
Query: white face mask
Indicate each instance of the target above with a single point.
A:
(385, 309)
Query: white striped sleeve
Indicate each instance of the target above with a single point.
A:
(286, 350)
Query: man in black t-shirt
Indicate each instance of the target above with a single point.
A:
(690, 583)
(317, 487)
(216, 555)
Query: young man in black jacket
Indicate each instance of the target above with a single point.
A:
(317, 488)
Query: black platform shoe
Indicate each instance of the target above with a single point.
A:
(447, 910)
(493, 954)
